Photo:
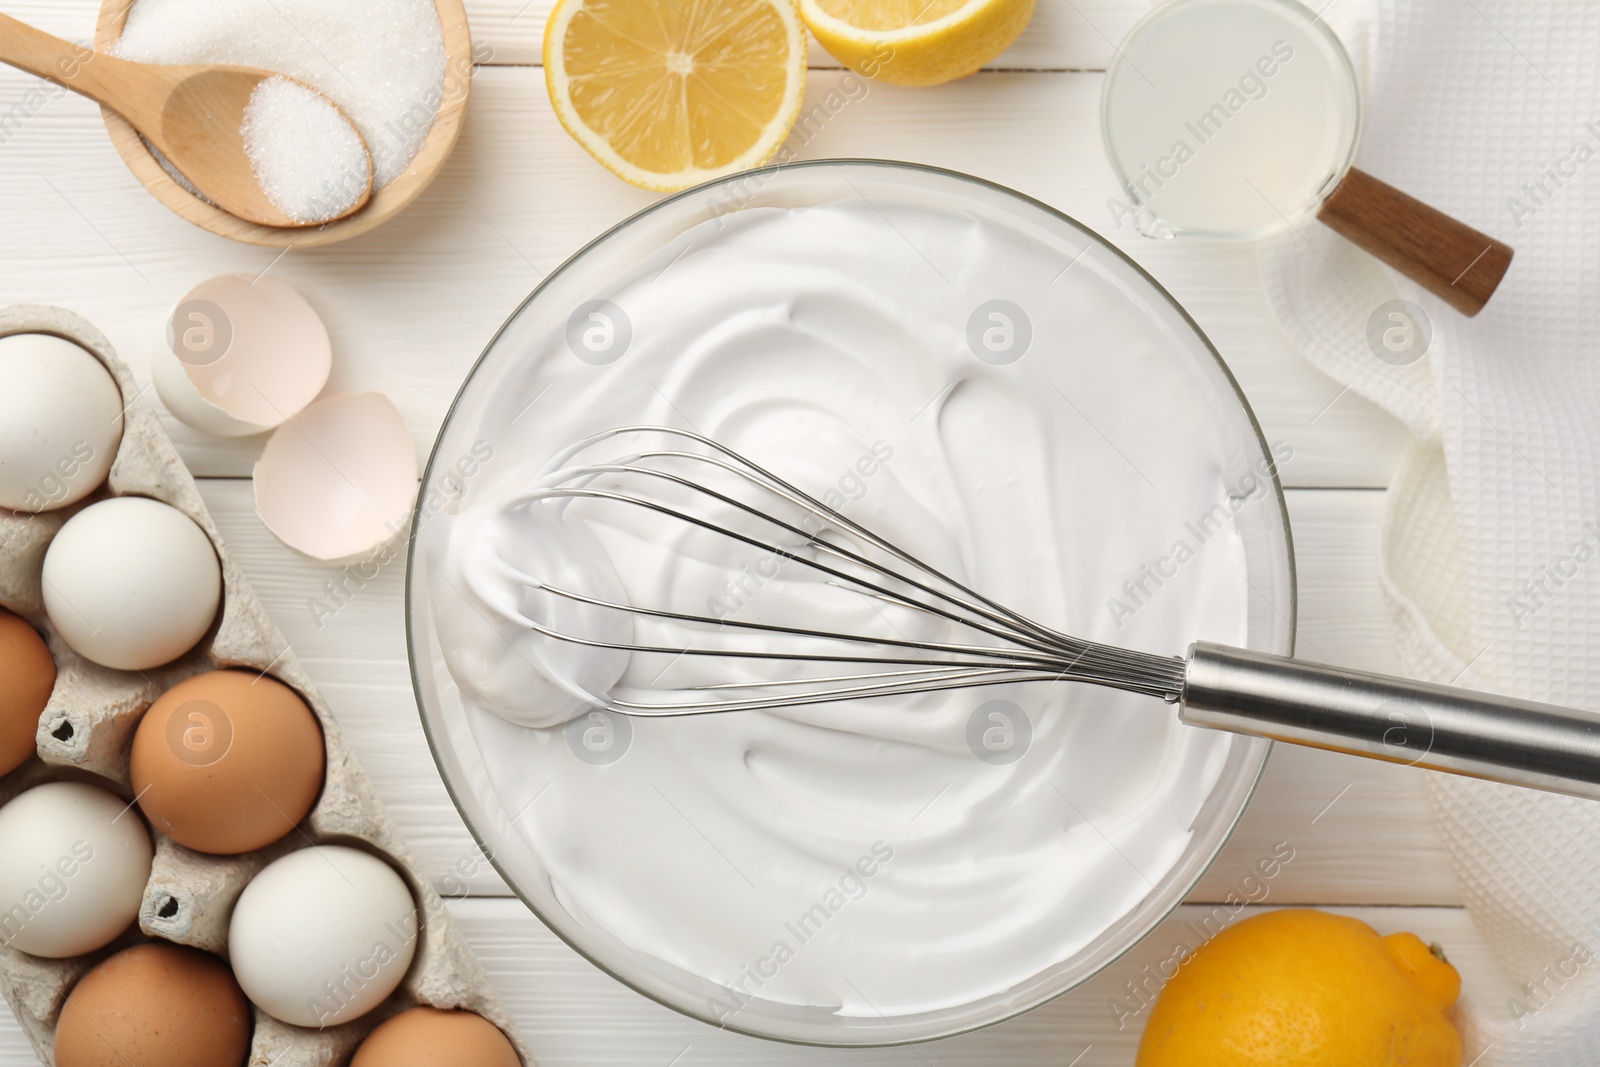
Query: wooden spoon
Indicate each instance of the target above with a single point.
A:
(192, 115)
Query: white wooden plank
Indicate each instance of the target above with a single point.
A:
(1342, 613)
(14, 1047)
(1376, 844)
(411, 305)
(575, 1016)
(1064, 34)
(572, 1015)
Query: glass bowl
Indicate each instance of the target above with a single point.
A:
(504, 367)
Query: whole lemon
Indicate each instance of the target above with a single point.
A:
(1305, 988)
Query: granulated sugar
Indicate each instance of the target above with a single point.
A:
(309, 160)
(381, 61)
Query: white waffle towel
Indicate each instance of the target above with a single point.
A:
(1489, 110)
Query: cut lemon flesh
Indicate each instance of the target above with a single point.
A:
(667, 93)
(916, 42)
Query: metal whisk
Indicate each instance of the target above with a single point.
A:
(721, 504)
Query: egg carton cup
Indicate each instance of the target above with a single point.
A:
(87, 729)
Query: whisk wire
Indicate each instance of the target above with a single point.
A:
(799, 631)
(742, 464)
(775, 550)
(1029, 651)
(996, 614)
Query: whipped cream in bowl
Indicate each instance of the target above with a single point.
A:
(980, 380)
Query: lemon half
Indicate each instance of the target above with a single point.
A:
(668, 93)
(916, 42)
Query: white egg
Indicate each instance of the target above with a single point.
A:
(323, 936)
(131, 583)
(74, 861)
(60, 422)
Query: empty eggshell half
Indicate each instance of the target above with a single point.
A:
(239, 356)
(338, 479)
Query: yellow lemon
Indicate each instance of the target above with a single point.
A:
(667, 93)
(916, 42)
(1305, 988)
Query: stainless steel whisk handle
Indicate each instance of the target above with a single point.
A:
(1521, 742)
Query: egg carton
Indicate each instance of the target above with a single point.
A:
(86, 731)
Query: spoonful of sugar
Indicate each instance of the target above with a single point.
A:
(259, 145)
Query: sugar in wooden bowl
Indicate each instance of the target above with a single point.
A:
(400, 69)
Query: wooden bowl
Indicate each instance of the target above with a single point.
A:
(385, 203)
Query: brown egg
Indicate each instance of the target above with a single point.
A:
(228, 762)
(155, 1005)
(428, 1037)
(27, 675)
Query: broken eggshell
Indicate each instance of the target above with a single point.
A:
(338, 479)
(239, 356)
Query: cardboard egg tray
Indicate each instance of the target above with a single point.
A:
(86, 731)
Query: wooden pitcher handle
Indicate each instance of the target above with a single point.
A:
(1448, 258)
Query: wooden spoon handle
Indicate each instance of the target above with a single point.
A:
(1448, 258)
(102, 78)
(39, 53)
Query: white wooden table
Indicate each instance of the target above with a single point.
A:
(412, 305)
